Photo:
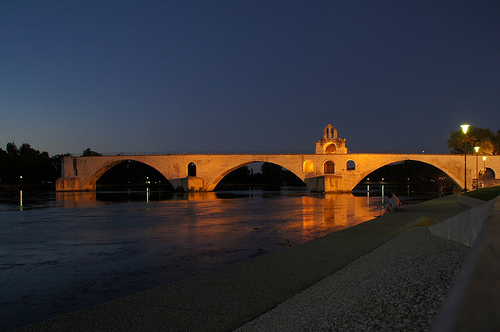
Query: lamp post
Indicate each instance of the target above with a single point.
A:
(476, 148)
(484, 168)
(408, 188)
(465, 127)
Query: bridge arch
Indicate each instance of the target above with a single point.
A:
(487, 173)
(211, 186)
(486, 177)
(100, 172)
(372, 167)
(91, 181)
(226, 172)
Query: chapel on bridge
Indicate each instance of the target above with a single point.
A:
(330, 143)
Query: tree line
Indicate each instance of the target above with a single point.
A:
(487, 141)
(28, 166)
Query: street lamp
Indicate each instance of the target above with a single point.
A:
(465, 127)
(484, 168)
(476, 148)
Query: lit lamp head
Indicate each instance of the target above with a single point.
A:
(476, 148)
(484, 158)
(465, 127)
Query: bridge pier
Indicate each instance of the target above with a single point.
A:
(69, 184)
(325, 183)
(188, 184)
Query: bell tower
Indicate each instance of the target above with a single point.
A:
(330, 143)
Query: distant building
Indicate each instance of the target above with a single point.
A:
(330, 143)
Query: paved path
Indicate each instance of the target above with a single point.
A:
(226, 299)
(400, 285)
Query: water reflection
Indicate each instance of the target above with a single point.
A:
(76, 199)
(66, 251)
(83, 199)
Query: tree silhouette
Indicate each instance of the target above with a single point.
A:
(89, 153)
(26, 166)
(487, 141)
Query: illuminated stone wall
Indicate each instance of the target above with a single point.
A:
(81, 173)
(330, 143)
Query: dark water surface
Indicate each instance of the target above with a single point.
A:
(63, 252)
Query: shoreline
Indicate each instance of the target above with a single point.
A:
(226, 299)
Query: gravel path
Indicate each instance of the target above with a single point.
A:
(399, 286)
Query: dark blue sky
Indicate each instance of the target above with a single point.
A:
(218, 76)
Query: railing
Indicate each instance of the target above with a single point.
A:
(156, 153)
(483, 183)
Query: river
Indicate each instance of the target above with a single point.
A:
(64, 252)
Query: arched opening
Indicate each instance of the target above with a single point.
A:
(486, 174)
(486, 177)
(130, 174)
(308, 166)
(409, 179)
(329, 167)
(191, 169)
(351, 165)
(263, 175)
(331, 148)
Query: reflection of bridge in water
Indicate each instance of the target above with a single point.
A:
(333, 211)
(330, 169)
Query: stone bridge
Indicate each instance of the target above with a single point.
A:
(330, 169)
(326, 173)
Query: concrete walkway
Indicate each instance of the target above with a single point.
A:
(399, 286)
(226, 299)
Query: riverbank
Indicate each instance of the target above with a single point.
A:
(226, 299)
(400, 285)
